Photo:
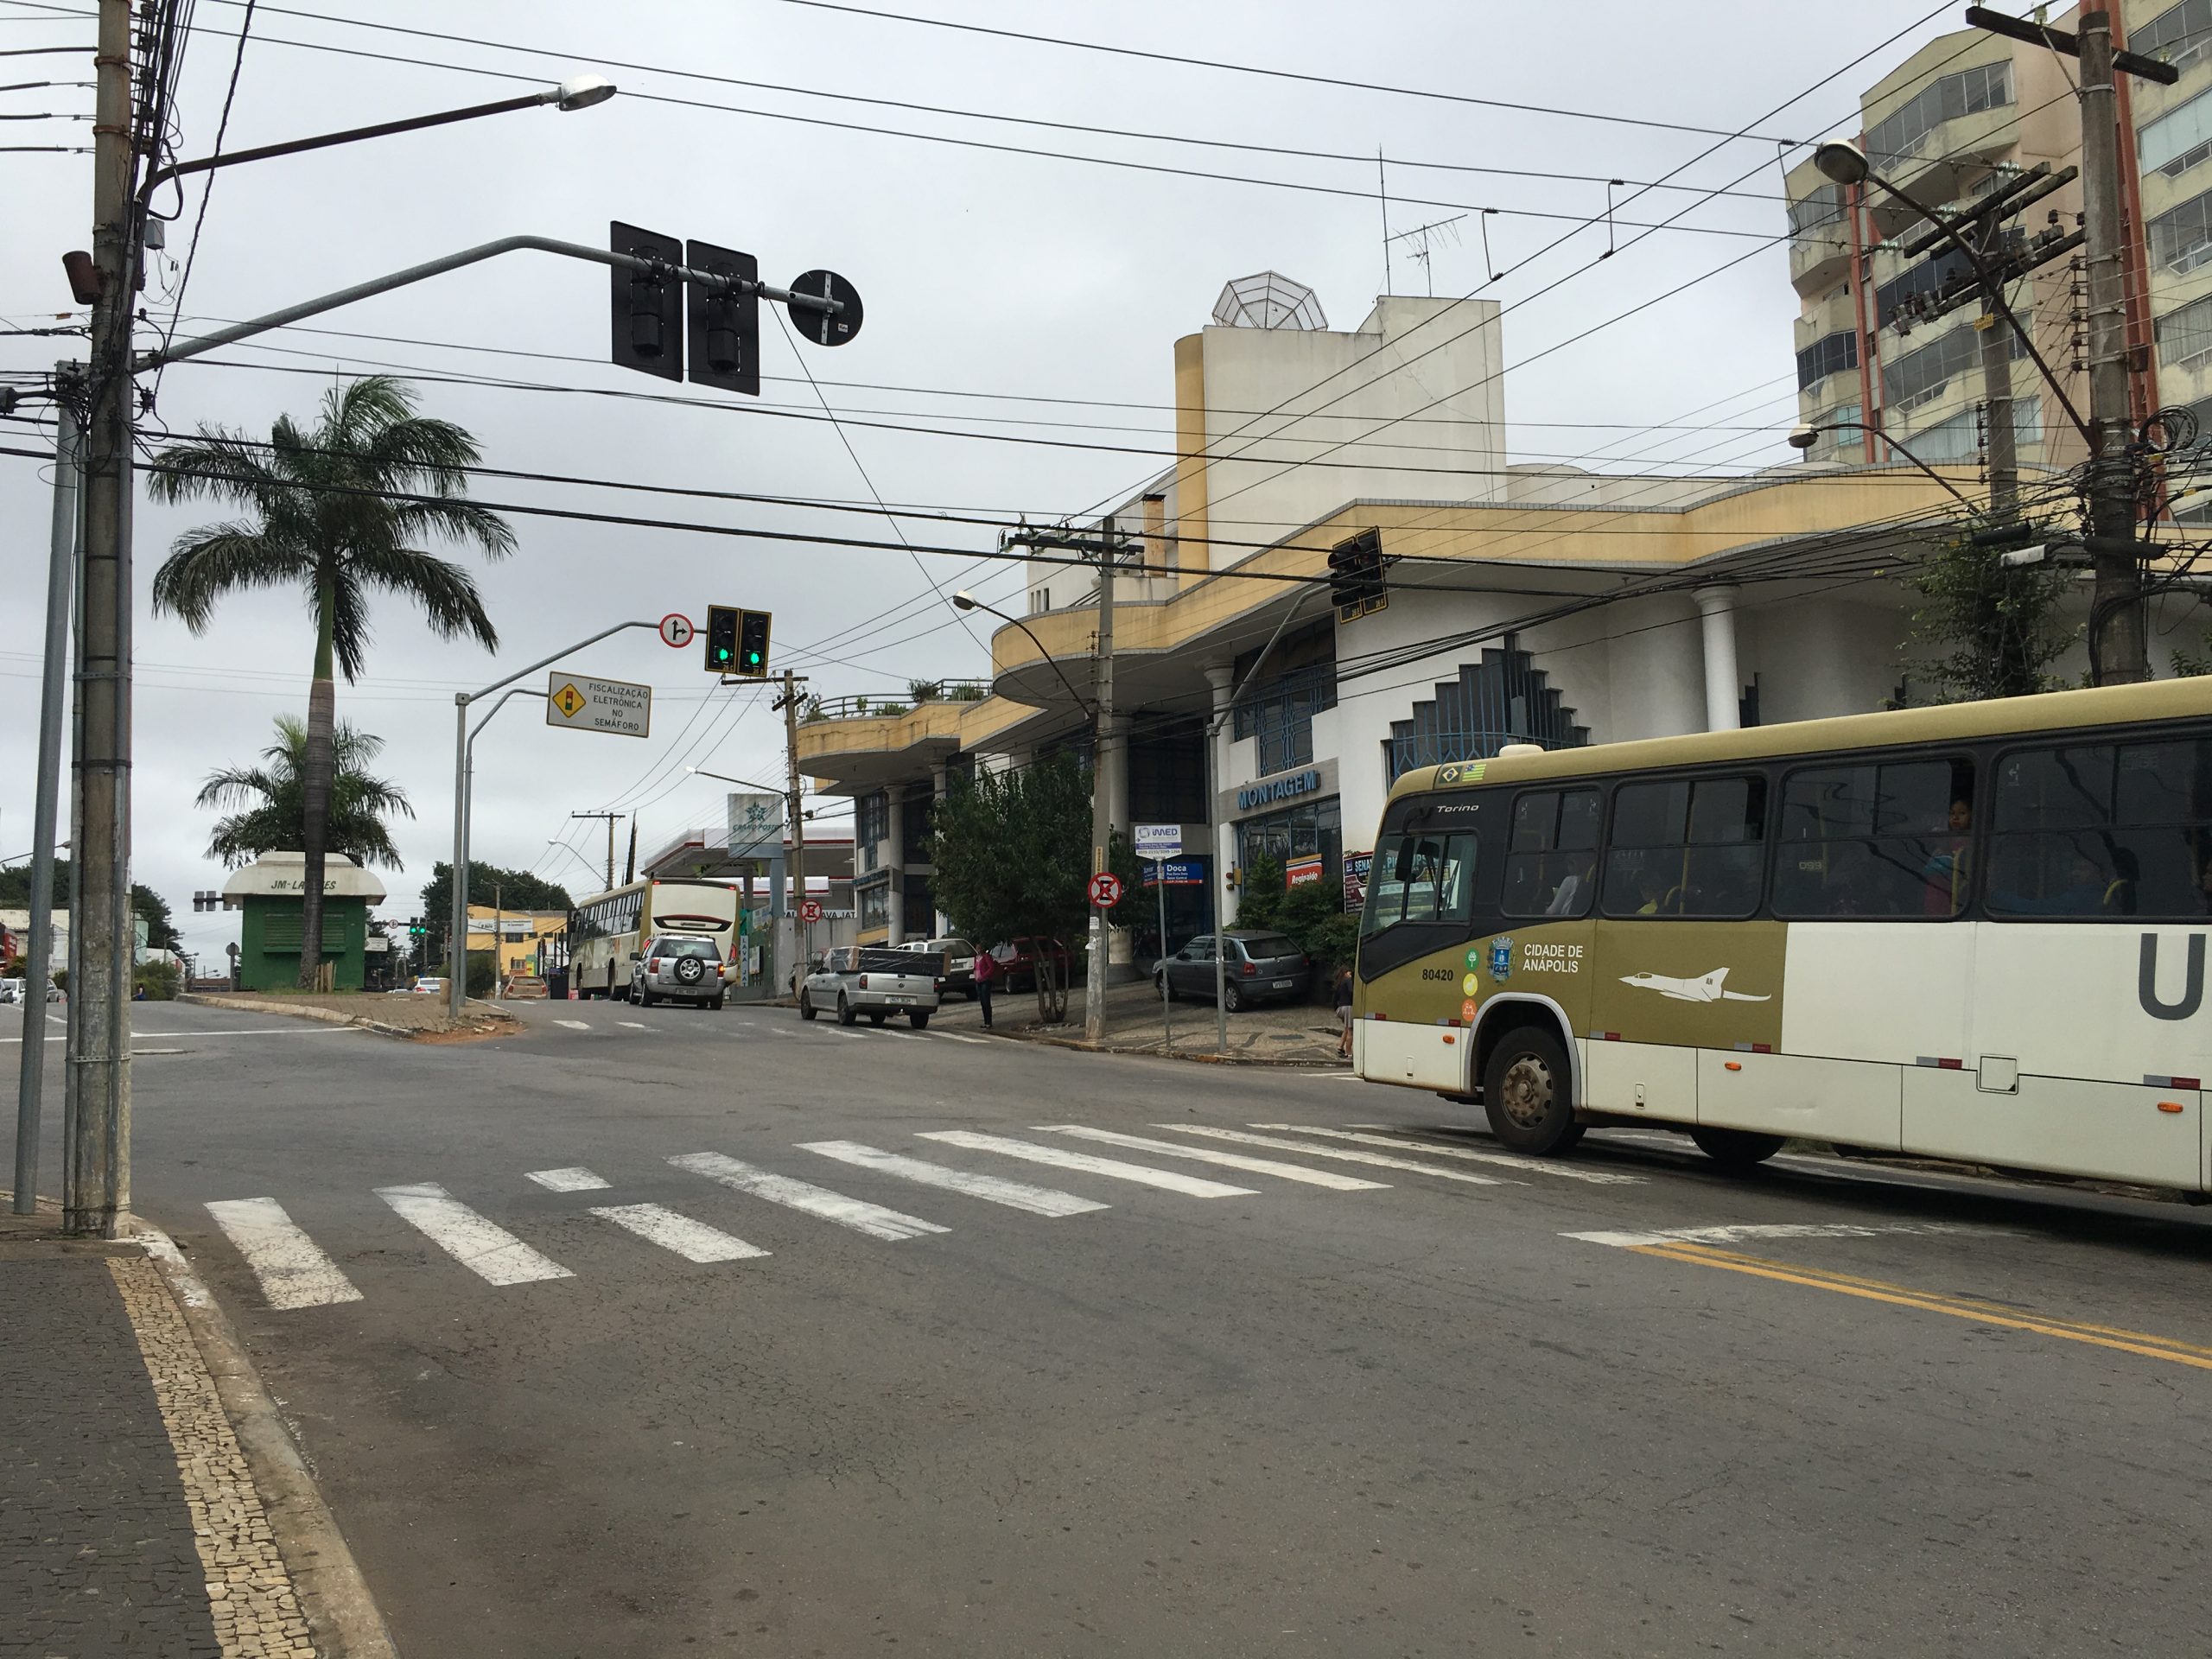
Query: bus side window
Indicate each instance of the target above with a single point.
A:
(2104, 831)
(1686, 849)
(1551, 858)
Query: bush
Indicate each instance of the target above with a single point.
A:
(483, 973)
(160, 981)
(1312, 913)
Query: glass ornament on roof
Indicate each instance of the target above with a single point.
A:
(1269, 300)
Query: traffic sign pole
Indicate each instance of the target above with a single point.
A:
(1167, 1002)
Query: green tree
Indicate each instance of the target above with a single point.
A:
(337, 511)
(517, 890)
(1311, 914)
(1012, 851)
(161, 931)
(1996, 625)
(272, 799)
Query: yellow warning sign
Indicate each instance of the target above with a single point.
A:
(569, 700)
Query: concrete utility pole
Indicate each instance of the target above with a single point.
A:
(795, 878)
(96, 1184)
(1101, 816)
(612, 819)
(1997, 400)
(2119, 652)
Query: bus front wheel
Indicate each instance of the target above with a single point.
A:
(1528, 1094)
(1736, 1148)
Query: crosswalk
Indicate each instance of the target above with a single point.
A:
(294, 1271)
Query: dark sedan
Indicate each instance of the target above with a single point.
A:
(1261, 967)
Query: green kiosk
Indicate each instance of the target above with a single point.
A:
(269, 891)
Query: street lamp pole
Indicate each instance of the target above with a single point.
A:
(1803, 436)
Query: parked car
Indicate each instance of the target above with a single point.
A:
(1261, 967)
(11, 990)
(959, 962)
(1017, 960)
(677, 968)
(878, 981)
(429, 985)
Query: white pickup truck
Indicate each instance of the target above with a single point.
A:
(875, 981)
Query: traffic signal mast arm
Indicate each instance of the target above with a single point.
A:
(659, 270)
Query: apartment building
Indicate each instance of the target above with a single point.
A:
(1964, 115)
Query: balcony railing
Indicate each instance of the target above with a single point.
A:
(888, 705)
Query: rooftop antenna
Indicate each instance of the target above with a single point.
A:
(1425, 236)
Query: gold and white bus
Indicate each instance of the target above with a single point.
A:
(1973, 933)
(607, 931)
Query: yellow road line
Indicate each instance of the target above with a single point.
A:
(1969, 1305)
(2126, 1342)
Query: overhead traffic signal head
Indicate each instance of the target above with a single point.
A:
(752, 645)
(647, 305)
(1356, 583)
(722, 639)
(722, 329)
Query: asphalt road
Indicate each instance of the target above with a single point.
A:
(1884, 1413)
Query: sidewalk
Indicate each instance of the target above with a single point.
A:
(1301, 1034)
(132, 1524)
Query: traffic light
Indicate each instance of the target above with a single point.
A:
(1356, 583)
(647, 308)
(722, 330)
(752, 645)
(722, 639)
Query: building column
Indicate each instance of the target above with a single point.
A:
(1724, 686)
(940, 781)
(1223, 680)
(895, 819)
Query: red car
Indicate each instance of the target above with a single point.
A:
(1017, 961)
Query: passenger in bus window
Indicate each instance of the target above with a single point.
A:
(1945, 873)
(1572, 897)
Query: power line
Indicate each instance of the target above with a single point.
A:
(199, 221)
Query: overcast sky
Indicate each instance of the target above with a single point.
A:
(982, 272)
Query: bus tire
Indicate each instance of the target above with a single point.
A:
(1736, 1148)
(1527, 1093)
(845, 1015)
(805, 1008)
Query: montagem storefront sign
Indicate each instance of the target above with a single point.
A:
(1289, 787)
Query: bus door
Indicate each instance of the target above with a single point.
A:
(1414, 994)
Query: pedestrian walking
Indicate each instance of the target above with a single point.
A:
(1343, 1014)
(987, 973)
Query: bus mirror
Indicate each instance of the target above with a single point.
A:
(1402, 870)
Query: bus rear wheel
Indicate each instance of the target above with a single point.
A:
(1736, 1148)
(1528, 1094)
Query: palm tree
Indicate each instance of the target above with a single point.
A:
(272, 799)
(336, 510)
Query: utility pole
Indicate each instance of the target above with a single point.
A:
(794, 876)
(1102, 818)
(2118, 652)
(611, 818)
(95, 1188)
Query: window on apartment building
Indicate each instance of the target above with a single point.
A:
(1167, 775)
(2178, 34)
(1041, 599)
(2177, 140)
(2184, 335)
(1920, 375)
(1817, 212)
(1959, 438)
(1831, 354)
(2182, 239)
(1902, 132)
(871, 823)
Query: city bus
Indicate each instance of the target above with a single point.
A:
(1974, 932)
(605, 930)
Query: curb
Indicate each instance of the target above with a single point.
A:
(340, 1609)
(1082, 1046)
(297, 1011)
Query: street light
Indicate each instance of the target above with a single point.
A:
(964, 600)
(1803, 437)
(723, 777)
(1845, 163)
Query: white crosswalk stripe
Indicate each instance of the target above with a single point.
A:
(575, 1179)
(292, 1268)
(573, 1025)
(1231, 1160)
(955, 1036)
(863, 1218)
(692, 1240)
(482, 1246)
(1362, 1135)
(633, 1025)
(1113, 1169)
(1018, 1195)
(1341, 1154)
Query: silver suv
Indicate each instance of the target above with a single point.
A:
(677, 968)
